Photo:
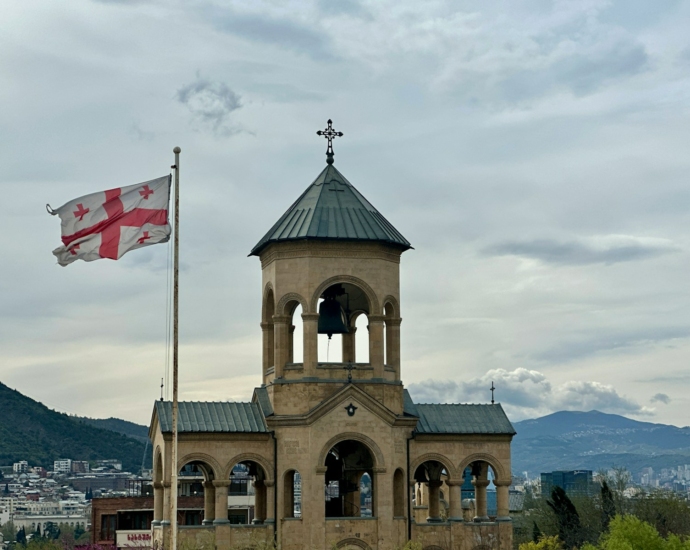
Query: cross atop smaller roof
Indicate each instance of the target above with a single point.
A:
(330, 134)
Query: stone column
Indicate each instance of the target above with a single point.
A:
(267, 339)
(157, 503)
(209, 503)
(291, 344)
(480, 486)
(281, 345)
(349, 345)
(259, 502)
(455, 500)
(166, 503)
(502, 500)
(393, 345)
(221, 490)
(376, 344)
(434, 502)
(310, 353)
(270, 501)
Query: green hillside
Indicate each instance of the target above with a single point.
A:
(31, 431)
(124, 427)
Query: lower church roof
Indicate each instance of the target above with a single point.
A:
(436, 418)
(205, 416)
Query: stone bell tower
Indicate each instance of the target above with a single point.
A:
(332, 245)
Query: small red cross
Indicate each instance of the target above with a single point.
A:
(74, 249)
(141, 240)
(146, 192)
(80, 211)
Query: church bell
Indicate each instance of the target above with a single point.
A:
(332, 317)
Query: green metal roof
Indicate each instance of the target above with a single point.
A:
(458, 418)
(261, 397)
(202, 416)
(331, 208)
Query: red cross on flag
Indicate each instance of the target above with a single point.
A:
(109, 223)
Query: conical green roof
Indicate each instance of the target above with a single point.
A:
(332, 209)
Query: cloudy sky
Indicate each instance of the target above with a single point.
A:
(535, 153)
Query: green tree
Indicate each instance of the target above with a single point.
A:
(569, 527)
(536, 532)
(608, 506)
(666, 511)
(21, 536)
(9, 532)
(545, 543)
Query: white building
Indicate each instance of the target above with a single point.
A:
(20, 467)
(29, 522)
(62, 466)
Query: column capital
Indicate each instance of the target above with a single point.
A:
(453, 483)
(158, 485)
(376, 319)
(281, 319)
(221, 483)
(310, 317)
(481, 482)
(208, 484)
(269, 482)
(394, 322)
(266, 326)
(167, 484)
(503, 482)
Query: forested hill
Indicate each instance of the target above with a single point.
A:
(124, 427)
(31, 431)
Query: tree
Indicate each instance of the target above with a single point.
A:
(608, 506)
(21, 536)
(9, 533)
(545, 543)
(569, 527)
(537, 535)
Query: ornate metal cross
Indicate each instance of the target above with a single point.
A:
(492, 388)
(349, 368)
(330, 134)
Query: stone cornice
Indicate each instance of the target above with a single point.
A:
(329, 249)
(494, 438)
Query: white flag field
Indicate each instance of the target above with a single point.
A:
(110, 223)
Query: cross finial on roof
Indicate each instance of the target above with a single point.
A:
(330, 134)
(492, 388)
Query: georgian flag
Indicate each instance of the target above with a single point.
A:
(110, 223)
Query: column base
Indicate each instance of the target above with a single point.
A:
(257, 521)
(208, 522)
(481, 519)
(269, 521)
(504, 518)
(165, 523)
(456, 519)
(434, 520)
(221, 521)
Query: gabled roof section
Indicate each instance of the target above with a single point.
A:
(437, 418)
(261, 397)
(208, 417)
(332, 209)
(463, 419)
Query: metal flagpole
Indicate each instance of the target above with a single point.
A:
(176, 301)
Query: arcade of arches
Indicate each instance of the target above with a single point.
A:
(331, 449)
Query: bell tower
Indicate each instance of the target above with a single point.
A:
(336, 256)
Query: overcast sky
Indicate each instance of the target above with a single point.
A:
(534, 152)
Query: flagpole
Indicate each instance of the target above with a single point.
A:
(176, 300)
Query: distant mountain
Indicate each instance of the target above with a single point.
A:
(570, 440)
(31, 431)
(124, 427)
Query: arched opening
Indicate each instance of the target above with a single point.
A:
(485, 499)
(349, 480)
(361, 351)
(267, 328)
(388, 313)
(398, 494)
(430, 478)
(292, 494)
(247, 478)
(195, 479)
(296, 339)
(339, 307)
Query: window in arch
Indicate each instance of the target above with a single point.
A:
(292, 495)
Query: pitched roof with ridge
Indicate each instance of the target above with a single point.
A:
(435, 418)
(332, 209)
(203, 416)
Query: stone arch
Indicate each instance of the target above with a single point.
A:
(359, 543)
(447, 463)
(285, 301)
(491, 460)
(243, 457)
(266, 311)
(374, 308)
(379, 466)
(201, 457)
(390, 299)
